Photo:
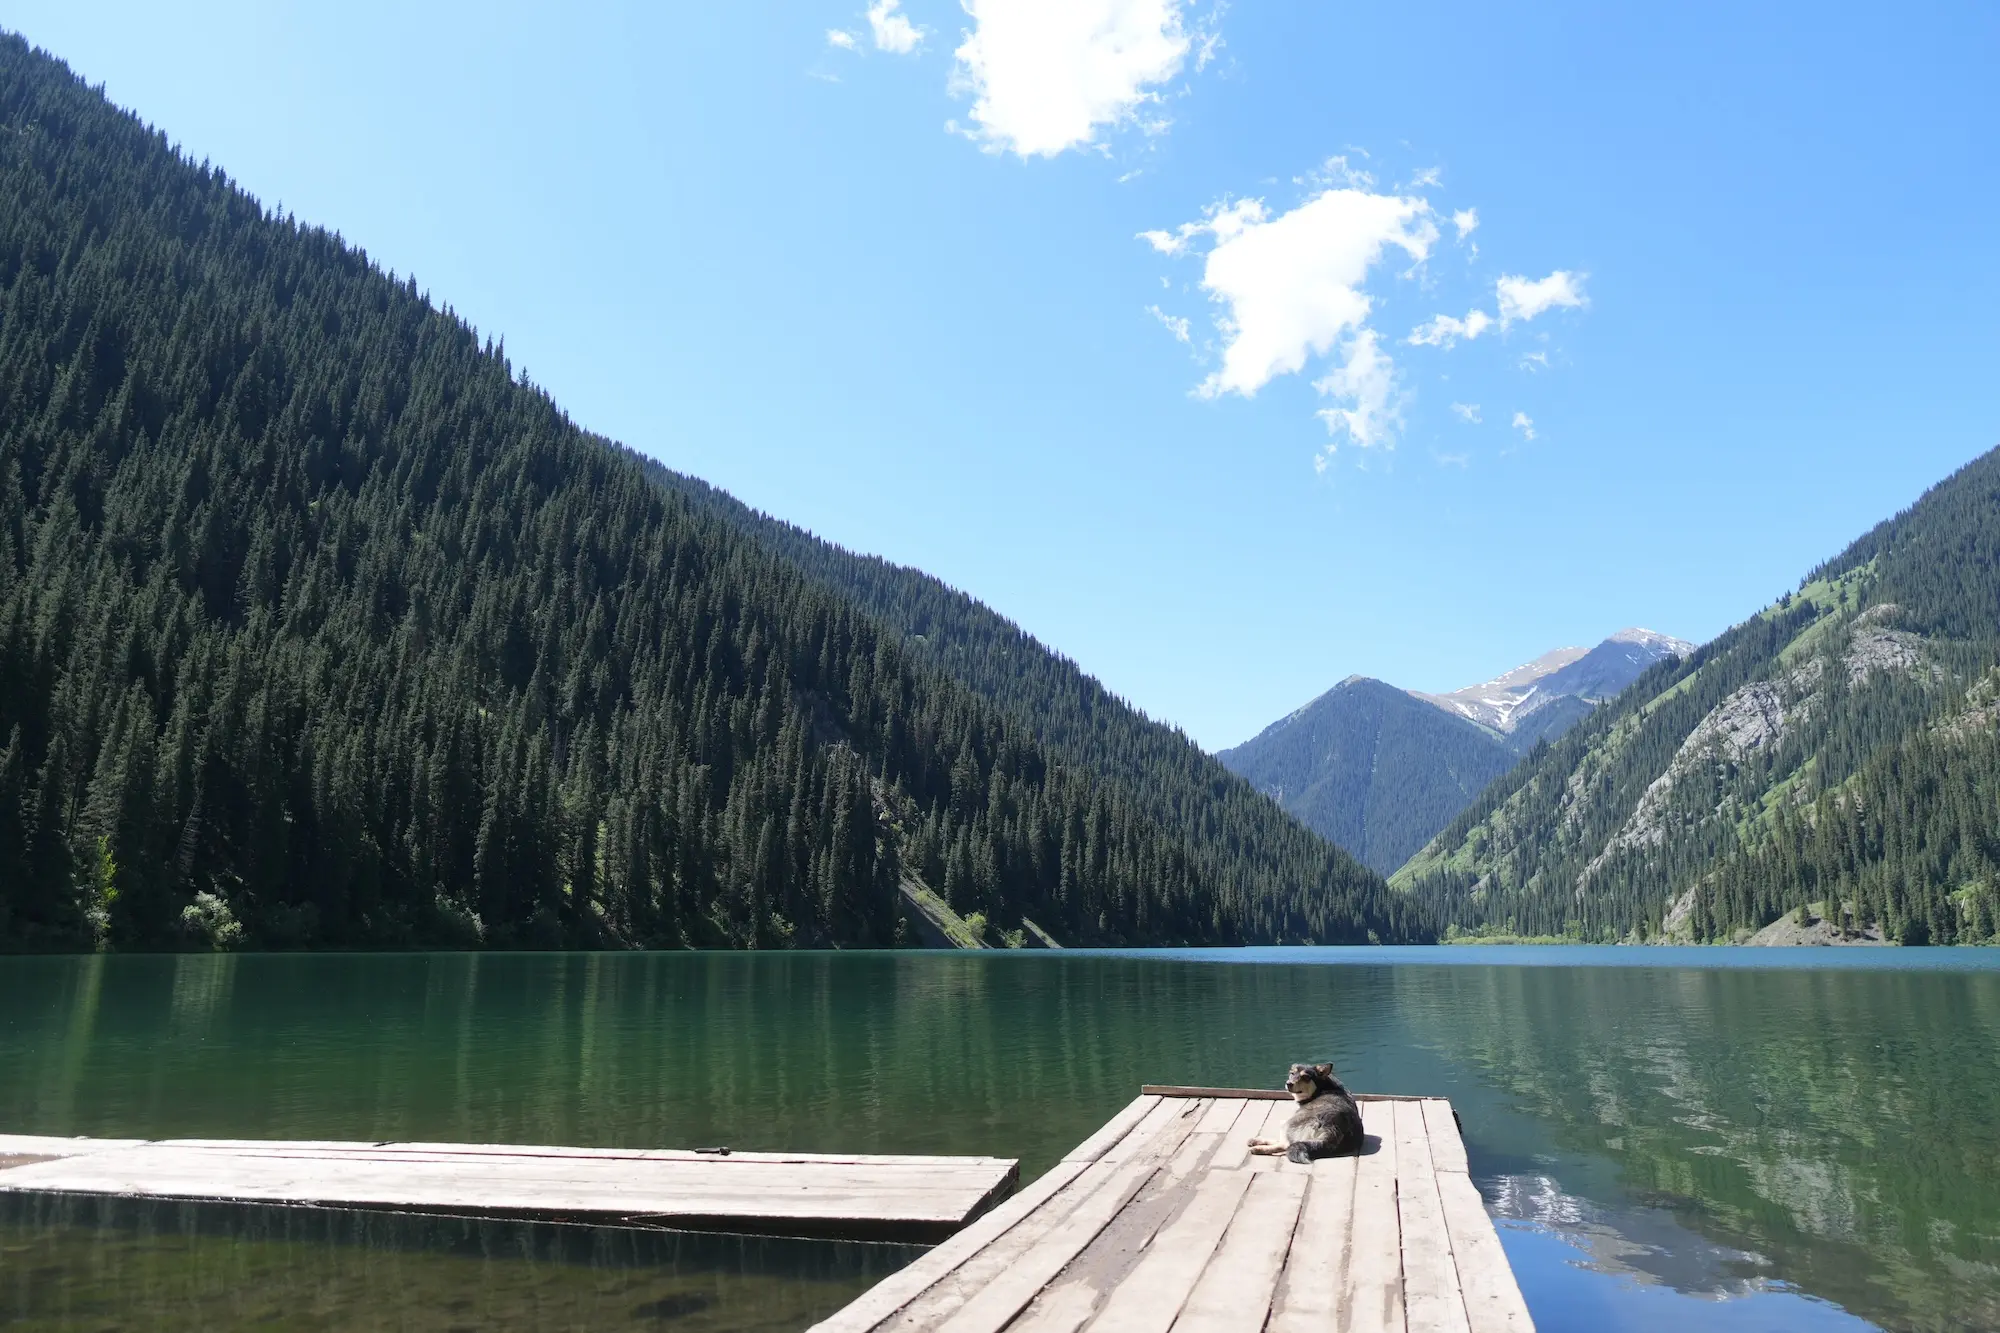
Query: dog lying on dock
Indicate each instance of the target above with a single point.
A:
(1327, 1123)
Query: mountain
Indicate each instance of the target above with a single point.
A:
(320, 627)
(1835, 757)
(1548, 695)
(1155, 768)
(1372, 767)
(1380, 770)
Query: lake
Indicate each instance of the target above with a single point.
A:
(1729, 1139)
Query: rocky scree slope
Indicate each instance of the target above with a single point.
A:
(1838, 748)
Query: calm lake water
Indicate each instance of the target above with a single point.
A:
(1670, 1138)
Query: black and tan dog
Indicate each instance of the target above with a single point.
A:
(1327, 1123)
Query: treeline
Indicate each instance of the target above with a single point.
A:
(1155, 767)
(318, 627)
(1875, 797)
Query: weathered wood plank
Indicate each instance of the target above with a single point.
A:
(990, 1309)
(1236, 1290)
(1235, 1147)
(1113, 1130)
(1447, 1146)
(1234, 1094)
(1430, 1278)
(886, 1297)
(1222, 1113)
(1150, 1298)
(1374, 1296)
(1310, 1291)
(1493, 1302)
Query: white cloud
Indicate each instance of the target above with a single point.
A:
(1523, 298)
(1467, 412)
(1366, 383)
(1466, 220)
(1426, 179)
(1533, 361)
(1290, 286)
(1445, 330)
(844, 40)
(1176, 324)
(894, 32)
(1525, 424)
(1048, 75)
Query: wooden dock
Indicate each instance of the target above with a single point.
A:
(1163, 1220)
(918, 1199)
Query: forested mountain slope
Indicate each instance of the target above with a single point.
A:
(1837, 752)
(1380, 770)
(1375, 768)
(1154, 766)
(318, 627)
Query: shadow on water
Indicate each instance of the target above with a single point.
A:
(1770, 1143)
(123, 1262)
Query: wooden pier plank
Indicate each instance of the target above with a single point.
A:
(996, 1304)
(1113, 1130)
(926, 1197)
(1314, 1281)
(1235, 1292)
(1374, 1296)
(1430, 1275)
(1150, 1299)
(1174, 1228)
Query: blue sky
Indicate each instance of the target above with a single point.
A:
(1738, 265)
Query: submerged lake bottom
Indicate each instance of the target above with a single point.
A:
(1732, 1139)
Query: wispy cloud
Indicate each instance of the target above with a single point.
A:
(1446, 330)
(1534, 361)
(1175, 324)
(1466, 220)
(1368, 408)
(1047, 76)
(1466, 412)
(1522, 299)
(1289, 286)
(1525, 424)
(1452, 460)
(846, 41)
(893, 32)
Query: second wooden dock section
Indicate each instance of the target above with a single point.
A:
(918, 1199)
(1163, 1220)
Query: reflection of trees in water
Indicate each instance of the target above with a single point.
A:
(1843, 1125)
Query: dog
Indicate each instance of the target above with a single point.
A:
(1327, 1123)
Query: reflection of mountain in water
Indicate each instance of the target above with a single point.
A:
(1838, 1131)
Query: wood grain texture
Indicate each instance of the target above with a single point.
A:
(1375, 1266)
(1313, 1287)
(1430, 1275)
(1236, 1289)
(1174, 1228)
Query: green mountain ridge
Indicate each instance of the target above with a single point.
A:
(1839, 747)
(320, 628)
(1374, 768)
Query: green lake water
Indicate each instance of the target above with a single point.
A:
(1669, 1138)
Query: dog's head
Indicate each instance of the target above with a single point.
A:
(1306, 1082)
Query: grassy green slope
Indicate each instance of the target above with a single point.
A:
(1764, 771)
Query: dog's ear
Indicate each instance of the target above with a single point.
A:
(1323, 1075)
(1324, 1069)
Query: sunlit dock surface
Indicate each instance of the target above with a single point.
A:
(849, 1197)
(1164, 1220)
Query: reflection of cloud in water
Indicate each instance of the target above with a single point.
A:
(1638, 1242)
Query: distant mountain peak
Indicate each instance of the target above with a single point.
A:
(1506, 702)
